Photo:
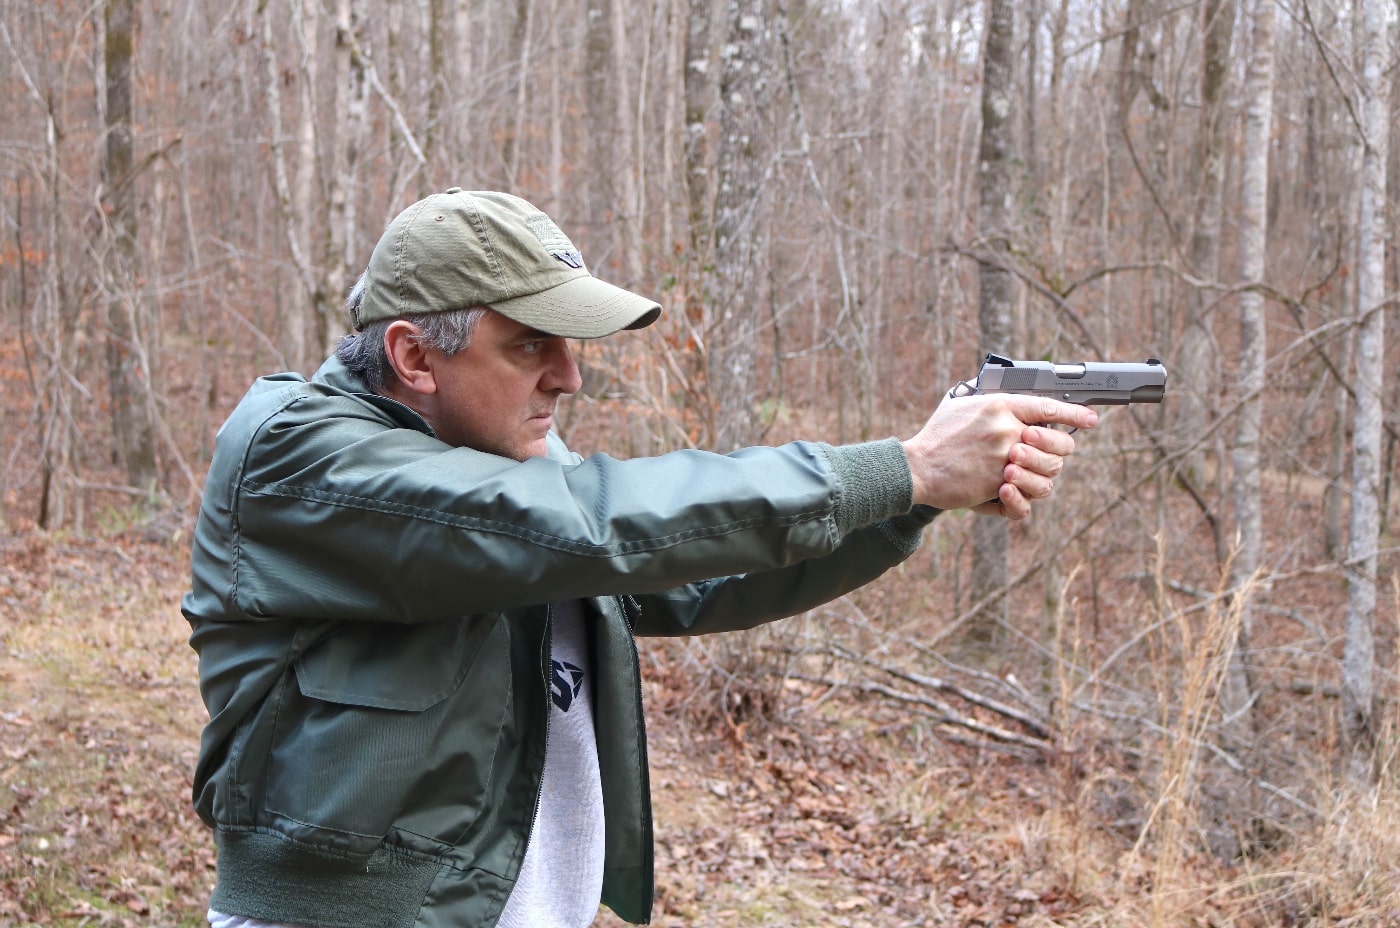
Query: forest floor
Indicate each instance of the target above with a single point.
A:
(837, 809)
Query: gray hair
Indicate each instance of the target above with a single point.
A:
(363, 351)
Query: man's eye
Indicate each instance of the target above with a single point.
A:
(534, 347)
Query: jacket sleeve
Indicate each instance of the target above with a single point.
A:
(315, 508)
(742, 602)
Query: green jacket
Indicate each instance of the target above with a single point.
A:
(369, 606)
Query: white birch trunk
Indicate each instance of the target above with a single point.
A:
(344, 153)
(1254, 199)
(1359, 659)
(304, 315)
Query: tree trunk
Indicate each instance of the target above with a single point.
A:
(629, 209)
(128, 321)
(732, 296)
(699, 100)
(559, 108)
(697, 173)
(1358, 658)
(1334, 498)
(306, 193)
(1249, 517)
(1325, 201)
(1196, 359)
(600, 128)
(523, 39)
(294, 318)
(611, 209)
(439, 78)
(996, 285)
(347, 135)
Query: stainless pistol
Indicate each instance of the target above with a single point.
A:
(1086, 383)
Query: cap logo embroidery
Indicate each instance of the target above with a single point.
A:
(555, 242)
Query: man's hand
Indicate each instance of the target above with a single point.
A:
(993, 454)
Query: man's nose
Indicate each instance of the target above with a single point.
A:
(563, 373)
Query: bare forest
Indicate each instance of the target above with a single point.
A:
(1168, 699)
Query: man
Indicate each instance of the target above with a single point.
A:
(414, 608)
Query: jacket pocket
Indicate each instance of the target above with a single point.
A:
(372, 721)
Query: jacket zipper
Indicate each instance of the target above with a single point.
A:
(631, 611)
(547, 668)
(629, 607)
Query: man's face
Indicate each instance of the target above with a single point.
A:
(499, 394)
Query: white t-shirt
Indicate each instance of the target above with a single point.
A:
(220, 920)
(561, 878)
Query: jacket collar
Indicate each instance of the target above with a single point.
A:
(336, 375)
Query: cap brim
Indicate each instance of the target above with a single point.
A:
(584, 307)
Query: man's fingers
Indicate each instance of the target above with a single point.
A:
(1030, 484)
(1014, 504)
(1041, 409)
(1052, 441)
(1048, 463)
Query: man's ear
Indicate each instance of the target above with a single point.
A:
(409, 358)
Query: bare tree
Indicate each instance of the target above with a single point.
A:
(1195, 358)
(724, 189)
(347, 133)
(1359, 658)
(600, 176)
(523, 44)
(128, 319)
(292, 189)
(733, 294)
(1249, 517)
(996, 283)
(628, 162)
(49, 307)
(700, 90)
(439, 79)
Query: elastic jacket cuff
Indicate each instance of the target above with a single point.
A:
(873, 480)
(906, 531)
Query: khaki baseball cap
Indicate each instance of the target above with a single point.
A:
(463, 248)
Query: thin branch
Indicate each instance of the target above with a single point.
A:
(359, 55)
(945, 713)
(1036, 726)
